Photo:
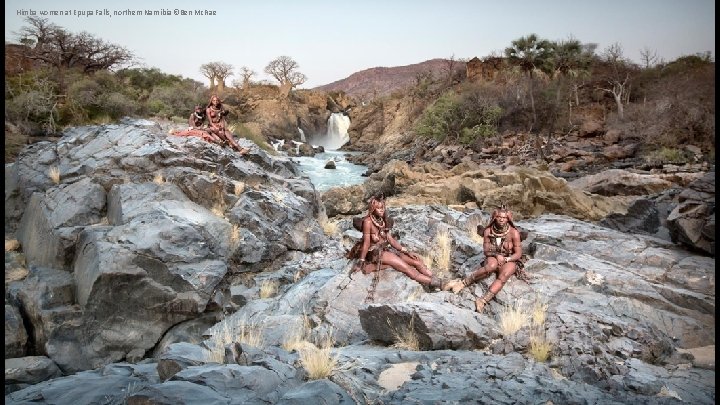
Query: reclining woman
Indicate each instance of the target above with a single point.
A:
(378, 249)
(196, 127)
(503, 254)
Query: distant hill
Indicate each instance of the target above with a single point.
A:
(380, 81)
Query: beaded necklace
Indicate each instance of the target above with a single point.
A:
(380, 223)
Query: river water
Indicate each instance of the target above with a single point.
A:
(345, 173)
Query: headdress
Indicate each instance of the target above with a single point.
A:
(502, 209)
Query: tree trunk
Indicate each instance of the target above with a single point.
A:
(618, 101)
(285, 89)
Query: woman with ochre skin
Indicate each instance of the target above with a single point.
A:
(218, 126)
(378, 249)
(503, 254)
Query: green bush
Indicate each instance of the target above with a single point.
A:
(463, 118)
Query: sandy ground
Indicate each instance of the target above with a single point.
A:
(396, 375)
(704, 356)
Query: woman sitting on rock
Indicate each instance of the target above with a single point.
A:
(379, 250)
(218, 126)
(503, 254)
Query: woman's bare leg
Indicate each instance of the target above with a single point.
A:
(394, 261)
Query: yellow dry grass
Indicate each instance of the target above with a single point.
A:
(405, 337)
(230, 332)
(11, 245)
(318, 360)
(540, 348)
(297, 339)
(158, 178)
(268, 288)
(512, 318)
(234, 235)
(238, 187)
(330, 228)
(54, 174)
(444, 251)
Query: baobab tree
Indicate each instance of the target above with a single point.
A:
(51, 45)
(284, 70)
(217, 72)
(246, 74)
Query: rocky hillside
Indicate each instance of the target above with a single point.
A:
(382, 81)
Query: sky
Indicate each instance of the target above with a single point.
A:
(330, 40)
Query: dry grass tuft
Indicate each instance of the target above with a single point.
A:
(219, 207)
(158, 178)
(54, 174)
(443, 252)
(238, 187)
(229, 332)
(11, 245)
(405, 337)
(539, 348)
(667, 392)
(439, 258)
(329, 227)
(318, 360)
(298, 338)
(235, 235)
(538, 313)
(268, 288)
(512, 318)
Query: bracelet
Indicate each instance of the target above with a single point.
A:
(403, 250)
(362, 260)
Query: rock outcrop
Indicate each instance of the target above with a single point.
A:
(622, 314)
(127, 232)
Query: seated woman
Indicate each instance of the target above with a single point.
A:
(379, 250)
(218, 126)
(503, 254)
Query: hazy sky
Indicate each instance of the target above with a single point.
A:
(330, 40)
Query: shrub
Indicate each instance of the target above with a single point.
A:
(462, 118)
(318, 360)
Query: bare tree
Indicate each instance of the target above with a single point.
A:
(246, 74)
(52, 45)
(617, 84)
(284, 70)
(648, 57)
(450, 65)
(217, 72)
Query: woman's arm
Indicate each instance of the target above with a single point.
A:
(394, 243)
(367, 230)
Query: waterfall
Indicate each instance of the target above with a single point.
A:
(302, 135)
(337, 135)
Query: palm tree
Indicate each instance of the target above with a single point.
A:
(531, 54)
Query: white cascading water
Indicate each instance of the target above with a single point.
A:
(337, 135)
(302, 135)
